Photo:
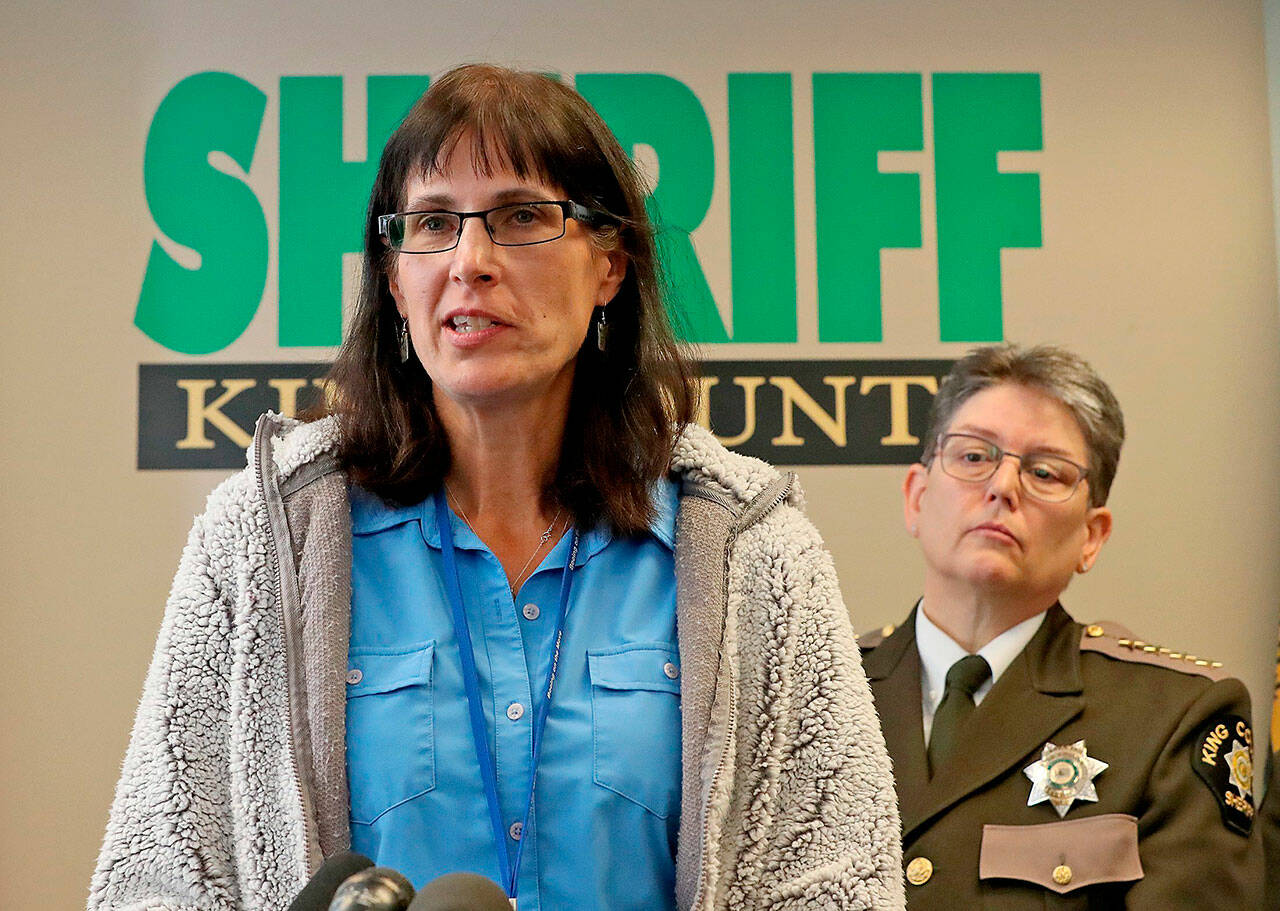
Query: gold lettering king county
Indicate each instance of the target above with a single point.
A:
(1209, 752)
(1244, 732)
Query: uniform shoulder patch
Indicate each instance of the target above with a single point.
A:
(872, 638)
(1223, 758)
(1114, 641)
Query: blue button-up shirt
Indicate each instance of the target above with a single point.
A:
(602, 834)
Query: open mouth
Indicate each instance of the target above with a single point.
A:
(464, 324)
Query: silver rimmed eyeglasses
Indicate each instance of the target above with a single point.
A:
(1045, 477)
(514, 225)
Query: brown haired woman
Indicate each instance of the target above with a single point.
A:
(505, 609)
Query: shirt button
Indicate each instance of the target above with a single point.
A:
(531, 611)
(919, 871)
(354, 676)
(516, 830)
(1062, 874)
(671, 670)
(515, 711)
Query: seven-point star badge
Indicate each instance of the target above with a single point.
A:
(1063, 775)
(1240, 762)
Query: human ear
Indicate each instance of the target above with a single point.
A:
(393, 285)
(1097, 526)
(614, 271)
(913, 487)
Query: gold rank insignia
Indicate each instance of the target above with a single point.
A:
(1063, 775)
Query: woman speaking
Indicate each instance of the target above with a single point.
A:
(505, 609)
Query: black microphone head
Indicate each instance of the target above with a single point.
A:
(461, 892)
(373, 889)
(317, 893)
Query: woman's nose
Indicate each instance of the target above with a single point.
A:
(473, 259)
(1006, 482)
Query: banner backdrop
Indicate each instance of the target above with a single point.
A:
(852, 194)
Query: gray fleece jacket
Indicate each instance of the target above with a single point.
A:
(234, 785)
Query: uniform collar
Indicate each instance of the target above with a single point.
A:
(1053, 653)
(938, 651)
(1056, 670)
(1037, 695)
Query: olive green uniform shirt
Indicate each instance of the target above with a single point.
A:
(1269, 823)
(1163, 834)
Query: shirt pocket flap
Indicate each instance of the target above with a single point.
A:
(1063, 856)
(385, 670)
(636, 667)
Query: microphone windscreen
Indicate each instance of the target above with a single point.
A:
(461, 892)
(373, 889)
(317, 893)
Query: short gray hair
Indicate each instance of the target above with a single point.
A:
(1059, 373)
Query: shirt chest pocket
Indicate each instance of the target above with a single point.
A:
(635, 719)
(1076, 863)
(390, 728)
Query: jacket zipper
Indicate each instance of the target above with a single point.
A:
(300, 788)
(700, 892)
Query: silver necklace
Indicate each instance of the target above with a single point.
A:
(543, 538)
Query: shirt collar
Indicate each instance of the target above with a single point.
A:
(938, 651)
(1001, 650)
(370, 513)
(666, 503)
(665, 495)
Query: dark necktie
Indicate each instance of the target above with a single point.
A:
(963, 678)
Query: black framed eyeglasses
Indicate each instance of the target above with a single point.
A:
(1045, 477)
(514, 225)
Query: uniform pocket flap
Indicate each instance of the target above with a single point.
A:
(384, 670)
(636, 667)
(1063, 856)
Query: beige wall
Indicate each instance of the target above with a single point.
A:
(1158, 264)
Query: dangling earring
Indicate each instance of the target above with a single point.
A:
(602, 331)
(402, 335)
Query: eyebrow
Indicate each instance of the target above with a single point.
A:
(446, 201)
(990, 434)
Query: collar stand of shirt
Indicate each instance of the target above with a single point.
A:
(370, 514)
(938, 651)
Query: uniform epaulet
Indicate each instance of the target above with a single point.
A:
(872, 638)
(1114, 641)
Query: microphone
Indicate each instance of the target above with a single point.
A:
(373, 889)
(315, 895)
(461, 892)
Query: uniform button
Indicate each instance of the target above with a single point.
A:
(531, 611)
(919, 871)
(671, 670)
(1062, 874)
(354, 676)
(516, 830)
(515, 711)
(1093, 631)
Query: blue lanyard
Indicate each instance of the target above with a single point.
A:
(508, 868)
